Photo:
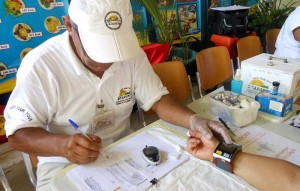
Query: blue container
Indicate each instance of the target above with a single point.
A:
(236, 86)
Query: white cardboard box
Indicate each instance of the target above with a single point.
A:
(259, 72)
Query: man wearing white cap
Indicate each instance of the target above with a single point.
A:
(92, 74)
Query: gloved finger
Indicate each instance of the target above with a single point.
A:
(199, 124)
(206, 132)
(195, 134)
(226, 136)
(220, 129)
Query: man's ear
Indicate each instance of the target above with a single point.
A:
(67, 23)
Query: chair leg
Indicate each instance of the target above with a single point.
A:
(239, 62)
(4, 180)
(191, 88)
(199, 83)
(29, 169)
(232, 67)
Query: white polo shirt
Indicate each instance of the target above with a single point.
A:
(286, 45)
(53, 86)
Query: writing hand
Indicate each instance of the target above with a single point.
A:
(81, 150)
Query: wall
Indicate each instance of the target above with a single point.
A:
(286, 1)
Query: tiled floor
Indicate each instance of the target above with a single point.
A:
(14, 168)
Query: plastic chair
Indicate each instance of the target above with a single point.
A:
(31, 162)
(248, 47)
(174, 77)
(271, 37)
(4, 181)
(214, 67)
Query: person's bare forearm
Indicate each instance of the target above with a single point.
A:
(38, 141)
(266, 173)
(170, 110)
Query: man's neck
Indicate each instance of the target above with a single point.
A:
(99, 69)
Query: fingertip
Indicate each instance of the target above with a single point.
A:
(188, 133)
(228, 140)
(209, 136)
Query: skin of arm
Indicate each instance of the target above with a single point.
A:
(296, 33)
(175, 113)
(76, 148)
(263, 173)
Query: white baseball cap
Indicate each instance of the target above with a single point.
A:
(105, 29)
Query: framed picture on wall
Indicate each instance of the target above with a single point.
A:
(187, 17)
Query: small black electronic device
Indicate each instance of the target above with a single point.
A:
(151, 154)
(224, 154)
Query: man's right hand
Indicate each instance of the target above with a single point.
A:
(81, 150)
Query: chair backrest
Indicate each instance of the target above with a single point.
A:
(214, 67)
(174, 76)
(248, 47)
(31, 162)
(271, 37)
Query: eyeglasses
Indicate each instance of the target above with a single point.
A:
(74, 25)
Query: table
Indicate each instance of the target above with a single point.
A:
(194, 174)
(202, 106)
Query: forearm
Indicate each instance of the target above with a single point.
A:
(266, 173)
(170, 110)
(38, 141)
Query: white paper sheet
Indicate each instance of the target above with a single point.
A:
(256, 140)
(125, 168)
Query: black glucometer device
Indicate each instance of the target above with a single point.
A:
(151, 154)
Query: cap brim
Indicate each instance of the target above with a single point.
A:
(111, 47)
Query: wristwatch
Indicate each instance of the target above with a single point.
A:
(224, 154)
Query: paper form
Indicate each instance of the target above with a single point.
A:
(125, 169)
(256, 140)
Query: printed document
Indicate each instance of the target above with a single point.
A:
(256, 140)
(124, 168)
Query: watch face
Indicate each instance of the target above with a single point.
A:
(223, 155)
(226, 151)
(229, 148)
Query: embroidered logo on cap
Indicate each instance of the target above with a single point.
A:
(113, 20)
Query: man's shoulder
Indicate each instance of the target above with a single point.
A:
(56, 43)
(52, 48)
(47, 54)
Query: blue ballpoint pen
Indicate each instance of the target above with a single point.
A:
(76, 127)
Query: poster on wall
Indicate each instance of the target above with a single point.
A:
(188, 18)
(25, 24)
